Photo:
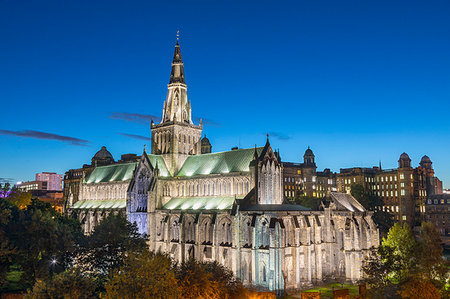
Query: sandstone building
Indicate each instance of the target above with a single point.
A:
(224, 206)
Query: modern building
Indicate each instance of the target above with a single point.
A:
(437, 211)
(54, 180)
(33, 185)
(226, 206)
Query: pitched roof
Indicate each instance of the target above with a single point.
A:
(112, 173)
(100, 204)
(217, 163)
(274, 207)
(346, 201)
(158, 160)
(200, 203)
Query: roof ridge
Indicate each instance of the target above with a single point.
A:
(115, 164)
(236, 150)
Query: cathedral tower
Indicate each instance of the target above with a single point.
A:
(176, 136)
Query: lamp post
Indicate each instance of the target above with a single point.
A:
(53, 264)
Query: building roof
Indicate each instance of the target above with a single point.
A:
(100, 204)
(308, 153)
(346, 201)
(404, 156)
(158, 160)
(274, 207)
(103, 153)
(425, 159)
(218, 163)
(200, 203)
(112, 173)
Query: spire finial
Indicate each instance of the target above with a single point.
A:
(267, 136)
(145, 147)
(178, 35)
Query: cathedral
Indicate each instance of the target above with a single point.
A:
(226, 206)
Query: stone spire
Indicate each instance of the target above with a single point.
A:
(177, 74)
(177, 107)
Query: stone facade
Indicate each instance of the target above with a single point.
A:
(226, 206)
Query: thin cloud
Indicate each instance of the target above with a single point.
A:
(47, 136)
(143, 119)
(6, 180)
(206, 122)
(140, 137)
(280, 136)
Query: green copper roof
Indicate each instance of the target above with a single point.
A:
(215, 163)
(100, 204)
(155, 159)
(112, 173)
(199, 203)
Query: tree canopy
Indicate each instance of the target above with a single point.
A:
(106, 248)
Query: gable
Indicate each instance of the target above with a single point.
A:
(158, 160)
(218, 163)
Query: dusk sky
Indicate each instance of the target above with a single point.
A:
(357, 81)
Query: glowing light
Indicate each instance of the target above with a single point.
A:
(54, 261)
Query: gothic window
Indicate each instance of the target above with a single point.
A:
(190, 232)
(264, 235)
(264, 277)
(175, 231)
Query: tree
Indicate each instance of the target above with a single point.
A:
(20, 199)
(42, 235)
(416, 288)
(196, 282)
(7, 250)
(144, 275)
(432, 266)
(225, 278)
(70, 284)
(310, 202)
(108, 245)
(378, 269)
(401, 240)
(372, 202)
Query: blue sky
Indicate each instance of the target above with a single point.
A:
(357, 81)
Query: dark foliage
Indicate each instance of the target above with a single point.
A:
(106, 248)
(373, 202)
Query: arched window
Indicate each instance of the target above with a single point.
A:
(175, 231)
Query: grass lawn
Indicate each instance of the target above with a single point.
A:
(326, 291)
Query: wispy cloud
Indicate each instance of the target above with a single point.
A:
(6, 180)
(140, 137)
(206, 122)
(279, 135)
(47, 136)
(145, 119)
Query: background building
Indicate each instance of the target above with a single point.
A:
(32, 186)
(54, 180)
(437, 211)
(303, 179)
(403, 189)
